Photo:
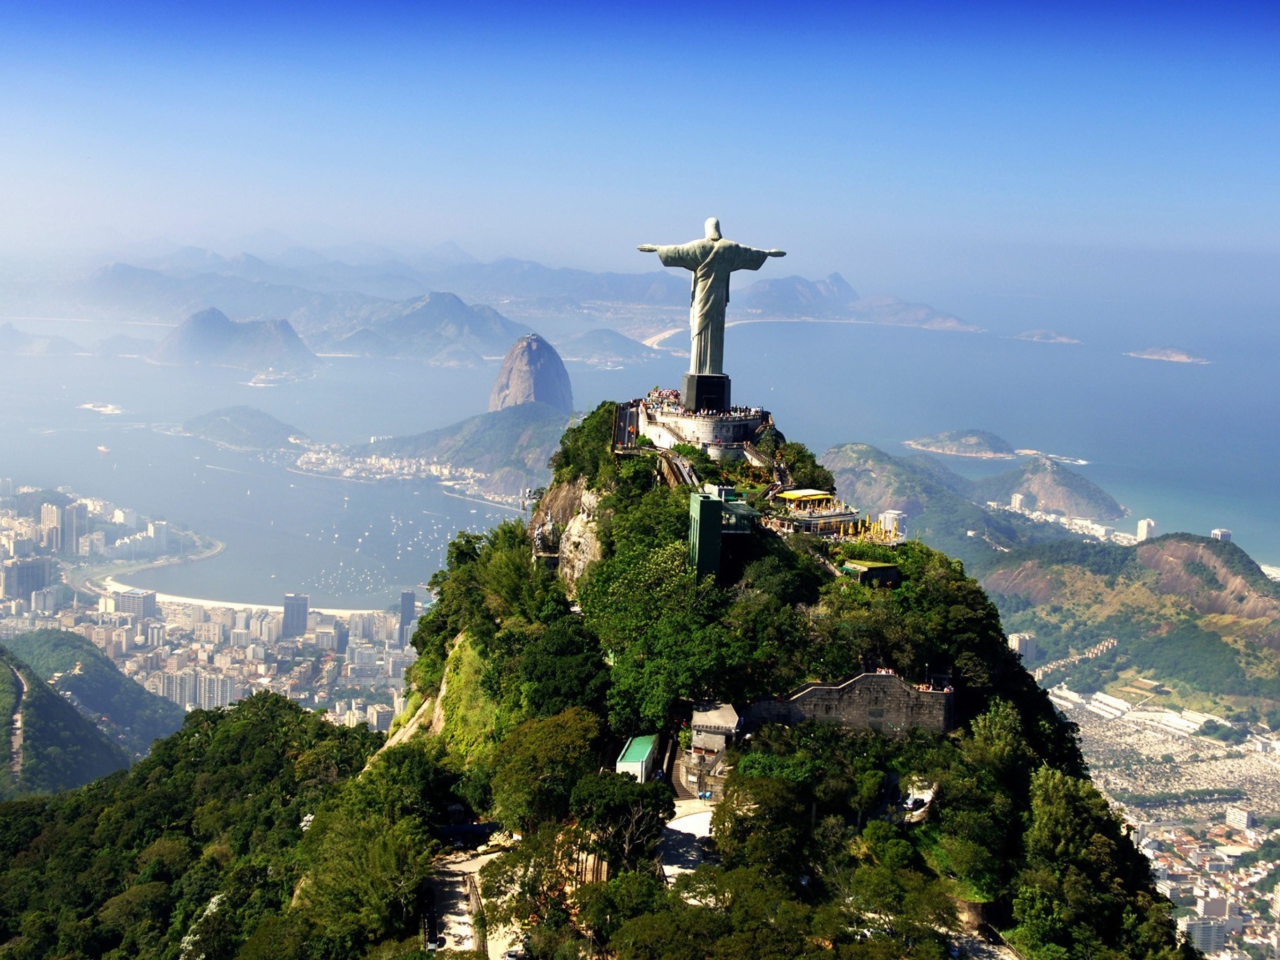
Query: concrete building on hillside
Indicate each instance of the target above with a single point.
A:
(1146, 529)
(638, 757)
(873, 573)
(1220, 533)
(1024, 644)
(714, 727)
(880, 701)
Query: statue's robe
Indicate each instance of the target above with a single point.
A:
(712, 261)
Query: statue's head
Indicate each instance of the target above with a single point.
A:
(713, 228)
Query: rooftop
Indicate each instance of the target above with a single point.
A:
(638, 749)
(715, 716)
(806, 494)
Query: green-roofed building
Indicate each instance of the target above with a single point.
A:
(638, 757)
(873, 573)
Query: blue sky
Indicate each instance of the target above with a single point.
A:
(928, 145)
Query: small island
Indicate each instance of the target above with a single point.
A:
(1168, 354)
(965, 443)
(1045, 336)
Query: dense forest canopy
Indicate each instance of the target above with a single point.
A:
(263, 831)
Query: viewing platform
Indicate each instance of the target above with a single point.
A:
(661, 417)
(813, 511)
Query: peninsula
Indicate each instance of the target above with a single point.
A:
(965, 443)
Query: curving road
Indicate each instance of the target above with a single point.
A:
(15, 739)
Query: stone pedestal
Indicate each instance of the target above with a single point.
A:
(705, 391)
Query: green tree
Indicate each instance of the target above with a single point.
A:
(622, 818)
(806, 472)
(1086, 889)
(367, 878)
(537, 766)
(563, 668)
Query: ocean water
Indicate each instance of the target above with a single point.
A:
(1194, 446)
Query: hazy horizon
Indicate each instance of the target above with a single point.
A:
(927, 152)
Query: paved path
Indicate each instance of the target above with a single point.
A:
(972, 945)
(450, 885)
(678, 850)
(15, 739)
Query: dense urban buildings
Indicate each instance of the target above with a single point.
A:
(408, 614)
(295, 615)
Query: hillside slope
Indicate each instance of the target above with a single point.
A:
(245, 428)
(939, 504)
(511, 446)
(1049, 487)
(119, 707)
(52, 747)
(529, 678)
(1191, 612)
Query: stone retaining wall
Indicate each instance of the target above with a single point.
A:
(872, 701)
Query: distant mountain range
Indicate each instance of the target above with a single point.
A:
(796, 296)
(15, 342)
(437, 327)
(211, 337)
(942, 506)
(602, 345)
(327, 300)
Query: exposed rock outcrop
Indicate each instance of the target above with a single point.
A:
(532, 372)
(561, 504)
(580, 544)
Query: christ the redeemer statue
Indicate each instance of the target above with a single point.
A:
(712, 260)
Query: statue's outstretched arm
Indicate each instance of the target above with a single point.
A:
(776, 253)
(647, 248)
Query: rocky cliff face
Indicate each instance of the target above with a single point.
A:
(532, 372)
(580, 544)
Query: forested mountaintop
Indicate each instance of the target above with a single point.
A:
(208, 846)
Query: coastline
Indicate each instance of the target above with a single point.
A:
(103, 583)
(87, 579)
(444, 487)
(985, 455)
(112, 584)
